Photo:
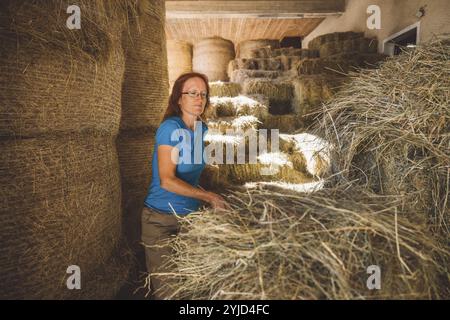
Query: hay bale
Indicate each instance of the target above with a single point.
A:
(179, 59)
(264, 52)
(245, 49)
(218, 129)
(317, 42)
(278, 93)
(144, 99)
(211, 57)
(236, 64)
(271, 64)
(47, 88)
(224, 89)
(311, 91)
(289, 245)
(292, 52)
(61, 207)
(337, 65)
(59, 173)
(237, 106)
(331, 48)
(240, 76)
(135, 150)
(145, 86)
(354, 45)
(391, 131)
(286, 123)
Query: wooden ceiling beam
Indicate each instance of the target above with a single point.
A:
(255, 9)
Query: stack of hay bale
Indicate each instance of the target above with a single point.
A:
(385, 206)
(60, 97)
(296, 81)
(144, 99)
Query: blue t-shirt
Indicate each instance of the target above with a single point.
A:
(174, 132)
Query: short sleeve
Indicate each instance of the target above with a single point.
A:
(167, 133)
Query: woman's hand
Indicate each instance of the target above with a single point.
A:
(216, 201)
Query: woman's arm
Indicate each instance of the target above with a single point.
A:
(170, 182)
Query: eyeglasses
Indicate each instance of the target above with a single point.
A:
(195, 94)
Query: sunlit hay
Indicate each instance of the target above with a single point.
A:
(315, 150)
(224, 89)
(390, 128)
(281, 186)
(237, 106)
(232, 124)
(291, 245)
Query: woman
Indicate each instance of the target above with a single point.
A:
(174, 187)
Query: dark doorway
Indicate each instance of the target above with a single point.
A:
(404, 40)
(294, 42)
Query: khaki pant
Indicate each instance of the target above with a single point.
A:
(156, 227)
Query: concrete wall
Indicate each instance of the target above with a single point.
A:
(395, 16)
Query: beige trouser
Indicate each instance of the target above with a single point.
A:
(156, 227)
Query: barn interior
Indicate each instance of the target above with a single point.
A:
(356, 92)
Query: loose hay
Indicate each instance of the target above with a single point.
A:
(391, 130)
(288, 245)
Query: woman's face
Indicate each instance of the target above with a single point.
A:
(191, 101)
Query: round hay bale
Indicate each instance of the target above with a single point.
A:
(145, 87)
(59, 175)
(211, 57)
(245, 49)
(224, 89)
(135, 150)
(145, 97)
(61, 207)
(179, 58)
(44, 90)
